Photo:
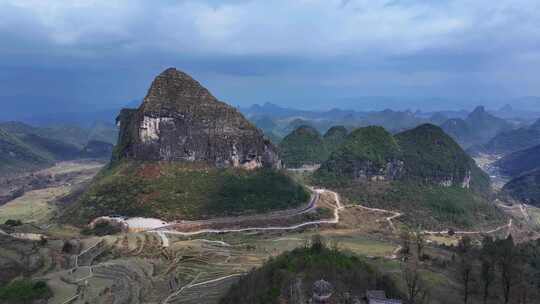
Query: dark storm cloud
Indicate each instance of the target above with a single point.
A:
(100, 53)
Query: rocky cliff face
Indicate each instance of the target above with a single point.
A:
(180, 120)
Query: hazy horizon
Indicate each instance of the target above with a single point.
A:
(79, 56)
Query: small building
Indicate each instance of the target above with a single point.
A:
(379, 297)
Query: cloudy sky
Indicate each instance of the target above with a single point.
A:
(96, 54)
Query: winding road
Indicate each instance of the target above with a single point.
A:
(337, 208)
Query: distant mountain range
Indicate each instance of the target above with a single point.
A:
(477, 128)
(512, 140)
(469, 129)
(24, 147)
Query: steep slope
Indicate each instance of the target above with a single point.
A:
(16, 156)
(485, 125)
(185, 155)
(68, 134)
(367, 153)
(334, 137)
(513, 140)
(304, 146)
(179, 120)
(59, 142)
(422, 172)
(519, 162)
(434, 157)
(478, 128)
(525, 187)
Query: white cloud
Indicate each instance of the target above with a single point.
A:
(282, 27)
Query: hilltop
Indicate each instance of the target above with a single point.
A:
(366, 153)
(422, 172)
(183, 154)
(304, 146)
(477, 128)
(430, 155)
(334, 137)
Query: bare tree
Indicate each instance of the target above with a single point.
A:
(417, 290)
(487, 272)
(508, 260)
(465, 266)
(405, 237)
(420, 243)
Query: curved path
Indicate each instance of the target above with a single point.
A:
(337, 208)
(336, 218)
(509, 226)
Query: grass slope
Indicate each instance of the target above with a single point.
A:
(174, 191)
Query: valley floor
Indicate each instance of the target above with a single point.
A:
(196, 262)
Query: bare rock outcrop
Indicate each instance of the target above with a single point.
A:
(180, 120)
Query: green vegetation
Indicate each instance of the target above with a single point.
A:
(16, 156)
(185, 191)
(525, 187)
(430, 206)
(374, 144)
(290, 277)
(507, 272)
(24, 291)
(367, 149)
(334, 137)
(430, 154)
(304, 146)
(517, 163)
(512, 141)
(25, 148)
(415, 164)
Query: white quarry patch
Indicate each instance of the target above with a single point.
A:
(133, 224)
(142, 223)
(29, 236)
(150, 128)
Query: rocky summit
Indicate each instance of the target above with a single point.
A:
(180, 120)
